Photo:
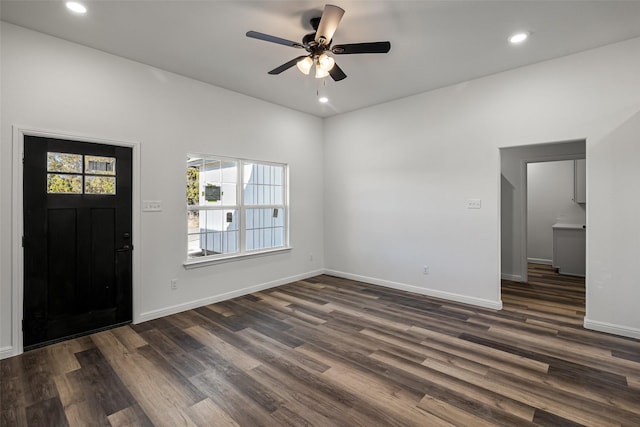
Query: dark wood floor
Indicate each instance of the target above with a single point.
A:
(329, 351)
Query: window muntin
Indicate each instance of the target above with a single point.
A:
(234, 207)
(66, 175)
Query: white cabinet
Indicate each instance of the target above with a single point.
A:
(580, 181)
(569, 249)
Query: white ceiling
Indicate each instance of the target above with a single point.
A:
(433, 43)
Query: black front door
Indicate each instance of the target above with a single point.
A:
(77, 238)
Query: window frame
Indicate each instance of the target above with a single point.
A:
(241, 208)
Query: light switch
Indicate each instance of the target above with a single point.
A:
(152, 205)
(474, 203)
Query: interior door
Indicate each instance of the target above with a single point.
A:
(77, 238)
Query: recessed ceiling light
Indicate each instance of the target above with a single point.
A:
(518, 37)
(323, 99)
(76, 7)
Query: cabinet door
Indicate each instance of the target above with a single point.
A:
(580, 181)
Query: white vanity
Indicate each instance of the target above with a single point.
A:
(569, 248)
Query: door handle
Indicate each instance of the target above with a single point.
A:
(125, 248)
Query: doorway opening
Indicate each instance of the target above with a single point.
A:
(543, 224)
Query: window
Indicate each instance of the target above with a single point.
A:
(235, 207)
(66, 175)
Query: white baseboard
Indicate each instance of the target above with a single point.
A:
(540, 261)
(6, 352)
(512, 277)
(610, 328)
(496, 305)
(167, 311)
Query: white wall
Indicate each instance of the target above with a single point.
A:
(397, 175)
(48, 83)
(613, 231)
(549, 200)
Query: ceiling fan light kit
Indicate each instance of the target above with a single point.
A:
(318, 44)
(305, 64)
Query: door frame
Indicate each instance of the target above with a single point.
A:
(17, 262)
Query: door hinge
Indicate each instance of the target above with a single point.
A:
(23, 241)
(23, 324)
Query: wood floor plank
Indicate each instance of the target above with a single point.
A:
(131, 416)
(207, 412)
(328, 351)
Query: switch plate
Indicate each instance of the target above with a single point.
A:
(152, 205)
(425, 269)
(474, 203)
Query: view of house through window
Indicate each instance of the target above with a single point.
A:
(234, 206)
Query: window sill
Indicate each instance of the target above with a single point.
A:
(197, 263)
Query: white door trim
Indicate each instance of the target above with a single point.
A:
(17, 226)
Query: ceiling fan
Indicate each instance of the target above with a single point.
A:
(318, 45)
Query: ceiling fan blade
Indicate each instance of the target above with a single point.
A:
(273, 39)
(336, 73)
(286, 65)
(373, 47)
(331, 17)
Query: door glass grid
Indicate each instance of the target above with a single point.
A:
(66, 175)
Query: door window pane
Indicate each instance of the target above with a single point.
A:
(64, 162)
(100, 185)
(64, 184)
(100, 165)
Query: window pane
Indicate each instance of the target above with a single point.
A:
(278, 236)
(64, 162)
(250, 194)
(100, 184)
(279, 218)
(249, 242)
(229, 194)
(278, 175)
(265, 228)
(277, 196)
(100, 165)
(263, 184)
(193, 235)
(209, 232)
(64, 184)
(193, 185)
(249, 221)
(229, 172)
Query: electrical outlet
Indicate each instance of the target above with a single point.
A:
(425, 269)
(174, 284)
(310, 257)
